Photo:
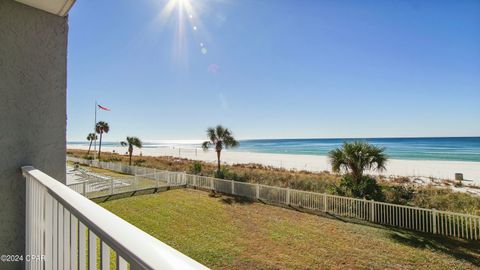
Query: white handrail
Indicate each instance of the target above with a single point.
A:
(139, 249)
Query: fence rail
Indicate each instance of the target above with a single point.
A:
(401, 216)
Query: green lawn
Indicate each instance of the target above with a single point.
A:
(223, 233)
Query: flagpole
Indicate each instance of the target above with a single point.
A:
(94, 131)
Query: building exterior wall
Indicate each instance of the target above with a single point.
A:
(33, 49)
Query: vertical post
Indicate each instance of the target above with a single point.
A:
(212, 185)
(257, 191)
(372, 211)
(104, 256)
(48, 231)
(83, 188)
(111, 186)
(325, 206)
(73, 242)
(82, 249)
(92, 250)
(195, 181)
(434, 221)
(95, 131)
(233, 187)
(288, 196)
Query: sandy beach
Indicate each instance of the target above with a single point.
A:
(395, 167)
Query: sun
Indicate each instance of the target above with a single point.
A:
(184, 9)
(183, 14)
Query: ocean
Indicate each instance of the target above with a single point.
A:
(438, 148)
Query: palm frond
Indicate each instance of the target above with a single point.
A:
(358, 156)
(230, 141)
(206, 145)
(132, 141)
(220, 130)
(102, 127)
(212, 135)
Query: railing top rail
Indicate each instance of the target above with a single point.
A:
(133, 244)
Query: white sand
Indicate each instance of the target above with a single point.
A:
(395, 167)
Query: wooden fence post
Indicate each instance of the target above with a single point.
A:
(233, 187)
(212, 185)
(257, 191)
(434, 221)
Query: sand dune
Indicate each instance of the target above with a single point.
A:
(397, 167)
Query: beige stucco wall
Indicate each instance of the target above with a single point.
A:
(33, 48)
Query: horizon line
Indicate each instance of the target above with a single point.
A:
(294, 138)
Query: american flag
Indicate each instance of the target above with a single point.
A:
(103, 108)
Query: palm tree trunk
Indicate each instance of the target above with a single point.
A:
(100, 145)
(130, 158)
(89, 147)
(357, 176)
(218, 161)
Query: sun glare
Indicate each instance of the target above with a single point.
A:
(187, 21)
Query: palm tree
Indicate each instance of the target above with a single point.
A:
(131, 142)
(100, 128)
(219, 138)
(356, 157)
(91, 137)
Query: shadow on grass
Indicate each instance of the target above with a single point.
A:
(330, 216)
(237, 200)
(467, 250)
(127, 194)
(462, 249)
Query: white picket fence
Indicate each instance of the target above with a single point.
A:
(401, 216)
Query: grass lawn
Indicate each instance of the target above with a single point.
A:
(225, 233)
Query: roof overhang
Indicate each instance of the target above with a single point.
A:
(57, 7)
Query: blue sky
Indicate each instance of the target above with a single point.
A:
(276, 68)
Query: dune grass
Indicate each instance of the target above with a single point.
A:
(229, 233)
(398, 193)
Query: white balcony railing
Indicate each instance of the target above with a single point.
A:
(63, 227)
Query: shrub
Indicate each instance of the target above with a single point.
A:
(196, 167)
(226, 174)
(114, 159)
(446, 199)
(366, 188)
(398, 194)
(139, 162)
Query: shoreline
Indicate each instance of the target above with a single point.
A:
(439, 169)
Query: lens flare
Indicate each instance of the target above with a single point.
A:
(184, 16)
